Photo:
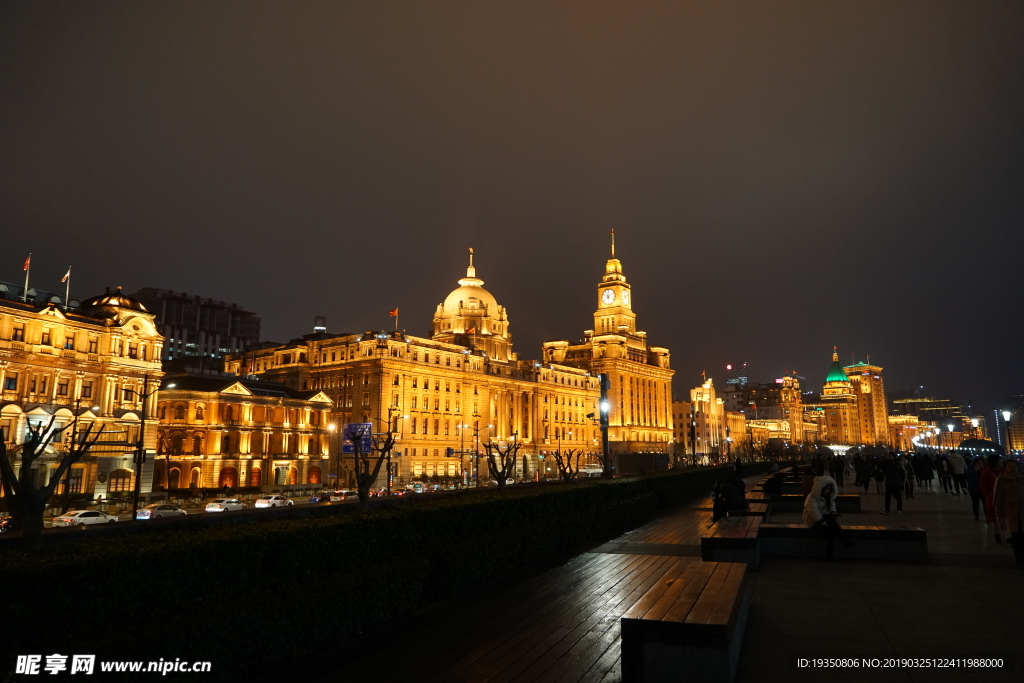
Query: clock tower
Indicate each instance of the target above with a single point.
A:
(614, 314)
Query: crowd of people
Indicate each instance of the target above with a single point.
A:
(994, 485)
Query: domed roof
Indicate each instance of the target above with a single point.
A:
(470, 295)
(118, 298)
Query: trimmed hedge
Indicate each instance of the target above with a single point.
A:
(253, 596)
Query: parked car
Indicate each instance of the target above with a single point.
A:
(273, 501)
(159, 510)
(401, 492)
(321, 497)
(6, 524)
(225, 505)
(344, 494)
(80, 517)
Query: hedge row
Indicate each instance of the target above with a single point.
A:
(253, 596)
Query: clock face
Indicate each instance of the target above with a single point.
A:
(625, 297)
(608, 297)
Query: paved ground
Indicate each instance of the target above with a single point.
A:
(561, 624)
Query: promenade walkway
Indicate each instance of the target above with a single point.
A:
(562, 623)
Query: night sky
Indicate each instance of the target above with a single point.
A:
(781, 176)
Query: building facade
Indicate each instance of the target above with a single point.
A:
(199, 332)
(225, 431)
(640, 395)
(872, 413)
(87, 366)
(444, 396)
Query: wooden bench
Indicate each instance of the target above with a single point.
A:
(733, 539)
(905, 544)
(688, 626)
(795, 503)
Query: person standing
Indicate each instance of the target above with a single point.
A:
(908, 476)
(863, 469)
(1009, 496)
(973, 479)
(956, 461)
(893, 474)
(927, 470)
(877, 473)
(987, 486)
(945, 469)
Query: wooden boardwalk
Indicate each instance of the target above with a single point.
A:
(561, 625)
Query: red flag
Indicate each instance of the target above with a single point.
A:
(471, 330)
(66, 275)
(27, 262)
(393, 313)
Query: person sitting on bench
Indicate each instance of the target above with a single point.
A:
(727, 496)
(820, 512)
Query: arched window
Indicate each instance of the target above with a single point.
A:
(197, 445)
(196, 476)
(179, 412)
(293, 476)
(314, 475)
(228, 477)
(177, 444)
(255, 476)
(175, 479)
(312, 447)
(225, 444)
(199, 413)
(120, 480)
(161, 412)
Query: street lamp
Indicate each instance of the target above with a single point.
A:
(332, 427)
(140, 451)
(1007, 414)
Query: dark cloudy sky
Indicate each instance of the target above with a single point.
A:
(782, 176)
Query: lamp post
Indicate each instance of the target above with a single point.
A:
(476, 446)
(140, 451)
(1007, 414)
(336, 458)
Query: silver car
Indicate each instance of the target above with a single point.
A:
(225, 505)
(80, 517)
(159, 510)
(273, 501)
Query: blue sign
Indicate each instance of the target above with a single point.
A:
(357, 430)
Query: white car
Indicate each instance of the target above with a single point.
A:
(343, 494)
(80, 517)
(225, 505)
(273, 501)
(159, 510)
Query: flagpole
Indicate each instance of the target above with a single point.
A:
(67, 290)
(28, 267)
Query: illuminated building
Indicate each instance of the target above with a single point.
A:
(839, 412)
(459, 389)
(91, 362)
(776, 406)
(872, 416)
(640, 396)
(226, 431)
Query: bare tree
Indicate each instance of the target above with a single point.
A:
(367, 465)
(568, 463)
(501, 459)
(25, 500)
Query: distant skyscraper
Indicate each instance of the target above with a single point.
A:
(199, 332)
(736, 374)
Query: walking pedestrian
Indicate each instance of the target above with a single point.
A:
(945, 469)
(877, 474)
(908, 477)
(1008, 501)
(973, 478)
(863, 469)
(959, 472)
(987, 486)
(820, 513)
(893, 474)
(927, 470)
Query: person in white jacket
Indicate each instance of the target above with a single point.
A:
(959, 472)
(820, 512)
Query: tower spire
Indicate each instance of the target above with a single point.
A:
(613, 242)
(471, 271)
(835, 353)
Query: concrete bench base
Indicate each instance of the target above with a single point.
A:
(688, 628)
(903, 544)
